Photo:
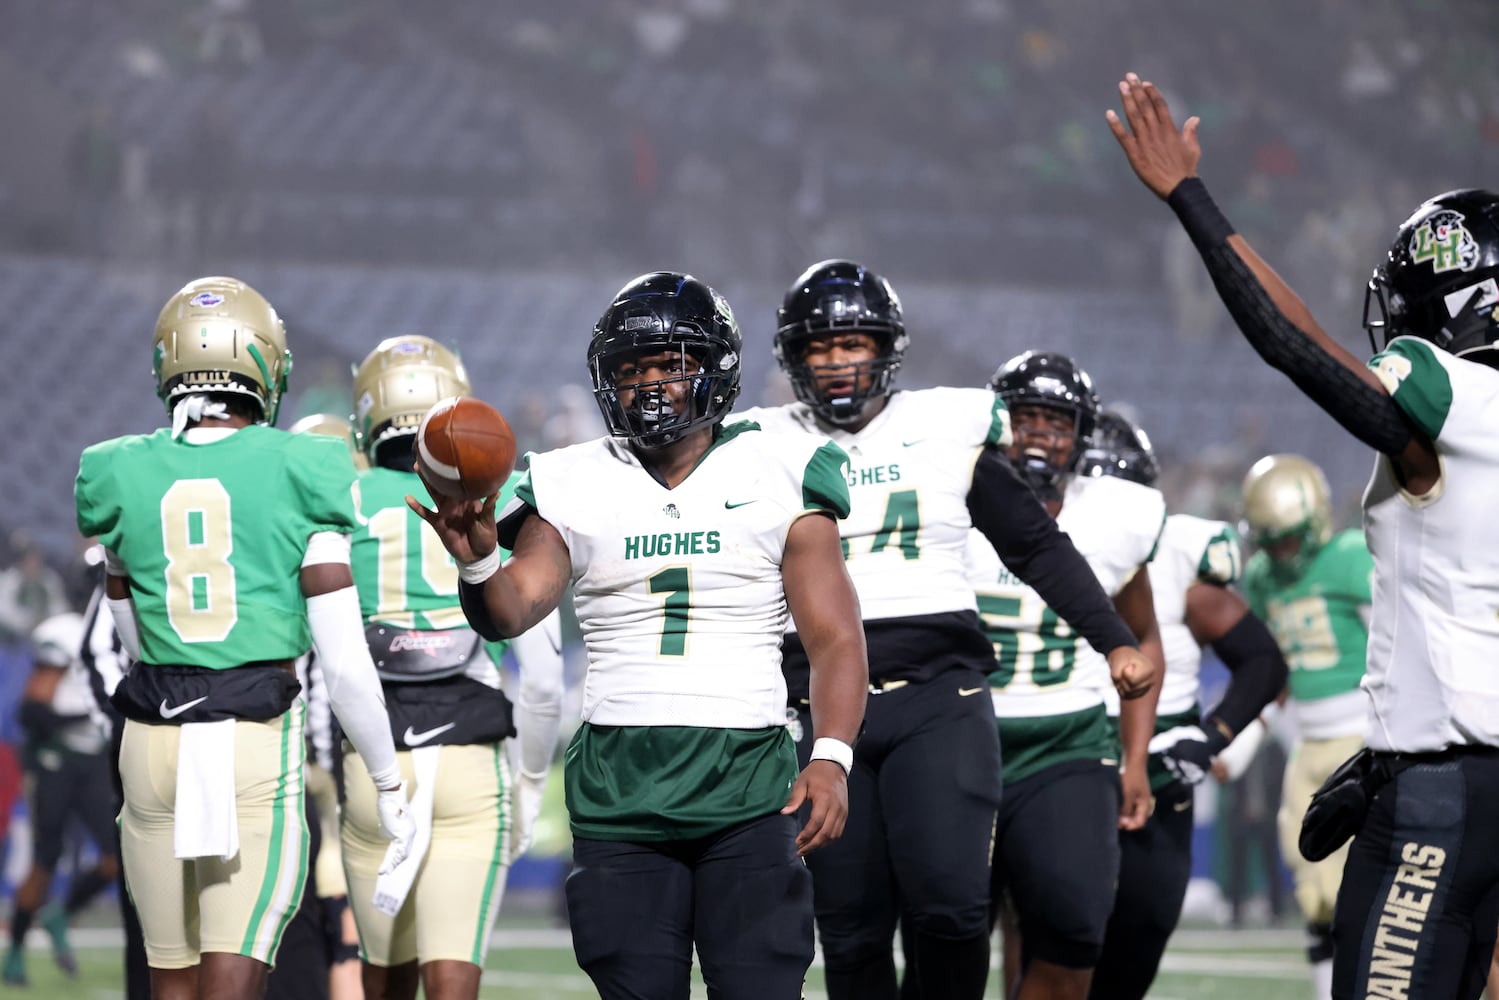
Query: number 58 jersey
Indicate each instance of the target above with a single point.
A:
(679, 592)
(212, 533)
(1044, 667)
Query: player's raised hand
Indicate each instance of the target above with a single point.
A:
(1131, 671)
(825, 786)
(466, 528)
(1162, 156)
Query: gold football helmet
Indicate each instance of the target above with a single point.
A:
(332, 425)
(221, 335)
(397, 383)
(1286, 496)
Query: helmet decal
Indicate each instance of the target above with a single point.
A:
(1444, 242)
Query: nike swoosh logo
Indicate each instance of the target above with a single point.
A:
(1183, 805)
(417, 739)
(911, 444)
(172, 713)
(965, 692)
(730, 506)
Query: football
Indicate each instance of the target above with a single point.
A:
(465, 448)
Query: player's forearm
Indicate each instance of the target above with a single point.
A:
(353, 687)
(1258, 674)
(538, 704)
(838, 687)
(1136, 726)
(1282, 330)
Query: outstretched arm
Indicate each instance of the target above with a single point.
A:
(1272, 317)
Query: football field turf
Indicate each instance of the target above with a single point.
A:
(527, 964)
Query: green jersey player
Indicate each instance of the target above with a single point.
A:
(226, 544)
(1415, 911)
(1313, 589)
(448, 716)
(688, 543)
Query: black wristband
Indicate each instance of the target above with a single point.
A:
(1199, 214)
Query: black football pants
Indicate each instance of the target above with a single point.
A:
(922, 802)
(742, 896)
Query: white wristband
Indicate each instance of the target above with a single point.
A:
(837, 751)
(480, 569)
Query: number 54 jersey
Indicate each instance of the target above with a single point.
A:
(1049, 687)
(679, 592)
(212, 533)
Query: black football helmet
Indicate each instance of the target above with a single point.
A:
(1045, 378)
(1440, 279)
(1119, 448)
(666, 311)
(838, 296)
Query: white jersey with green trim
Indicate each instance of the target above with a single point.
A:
(910, 471)
(1433, 668)
(679, 592)
(1193, 550)
(1045, 668)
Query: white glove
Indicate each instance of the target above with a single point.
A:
(525, 806)
(396, 823)
(1239, 754)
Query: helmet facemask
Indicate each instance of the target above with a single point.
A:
(647, 416)
(873, 379)
(1039, 466)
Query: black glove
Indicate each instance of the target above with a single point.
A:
(1188, 751)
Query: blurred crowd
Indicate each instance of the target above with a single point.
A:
(750, 137)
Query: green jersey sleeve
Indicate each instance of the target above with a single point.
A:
(825, 481)
(1417, 381)
(95, 497)
(324, 481)
(1358, 564)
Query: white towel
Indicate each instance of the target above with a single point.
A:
(392, 888)
(206, 823)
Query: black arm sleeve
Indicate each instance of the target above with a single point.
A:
(1259, 671)
(1365, 412)
(471, 597)
(1029, 542)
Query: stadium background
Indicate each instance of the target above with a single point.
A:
(487, 173)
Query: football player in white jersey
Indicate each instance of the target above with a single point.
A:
(1419, 902)
(925, 468)
(688, 542)
(1194, 566)
(1056, 844)
(67, 740)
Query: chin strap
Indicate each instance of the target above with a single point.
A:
(191, 409)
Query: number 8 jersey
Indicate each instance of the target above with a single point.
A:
(213, 532)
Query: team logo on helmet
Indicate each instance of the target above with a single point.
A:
(206, 299)
(1445, 242)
